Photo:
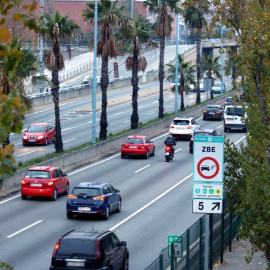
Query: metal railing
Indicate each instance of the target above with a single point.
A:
(223, 228)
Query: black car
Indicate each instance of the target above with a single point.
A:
(201, 132)
(90, 250)
(213, 112)
(93, 198)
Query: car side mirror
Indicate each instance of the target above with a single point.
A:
(65, 174)
(117, 191)
(123, 243)
(151, 141)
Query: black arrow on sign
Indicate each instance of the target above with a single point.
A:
(217, 205)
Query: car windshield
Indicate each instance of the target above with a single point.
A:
(76, 247)
(80, 191)
(235, 111)
(36, 129)
(38, 174)
(134, 140)
(182, 122)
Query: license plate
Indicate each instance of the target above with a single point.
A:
(133, 147)
(84, 208)
(35, 185)
(31, 140)
(79, 264)
(167, 154)
(180, 128)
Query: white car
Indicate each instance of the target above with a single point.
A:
(193, 87)
(234, 118)
(216, 88)
(183, 127)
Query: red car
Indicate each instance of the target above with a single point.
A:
(45, 182)
(137, 146)
(40, 133)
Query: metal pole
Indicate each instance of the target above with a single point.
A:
(132, 3)
(176, 66)
(94, 95)
(206, 242)
(221, 59)
(172, 256)
(41, 87)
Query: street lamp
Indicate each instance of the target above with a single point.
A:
(221, 60)
(94, 94)
(41, 88)
(176, 65)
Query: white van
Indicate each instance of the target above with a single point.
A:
(234, 118)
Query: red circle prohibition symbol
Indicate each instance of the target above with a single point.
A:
(210, 176)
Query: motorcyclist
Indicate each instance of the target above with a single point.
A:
(170, 141)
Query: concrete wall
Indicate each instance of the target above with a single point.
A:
(83, 157)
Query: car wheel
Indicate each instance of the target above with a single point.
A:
(67, 190)
(154, 151)
(204, 118)
(225, 129)
(69, 215)
(125, 263)
(107, 213)
(24, 144)
(146, 155)
(24, 197)
(118, 210)
(54, 195)
(46, 141)
(123, 156)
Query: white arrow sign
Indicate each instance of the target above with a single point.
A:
(206, 206)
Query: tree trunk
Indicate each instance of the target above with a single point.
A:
(134, 82)
(161, 77)
(55, 80)
(198, 63)
(104, 85)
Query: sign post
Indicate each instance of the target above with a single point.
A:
(176, 241)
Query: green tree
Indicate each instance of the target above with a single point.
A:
(211, 67)
(163, 26)
(53, 27)
(193, 13)
(230, 67)
(136, 32)
(109, 15)
(186, 73)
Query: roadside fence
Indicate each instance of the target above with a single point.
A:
(223, 229)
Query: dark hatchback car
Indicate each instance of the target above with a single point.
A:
(90, 250)
(213, 112)
(201, 132)
(94, 198)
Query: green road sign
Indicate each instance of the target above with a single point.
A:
(176, 240)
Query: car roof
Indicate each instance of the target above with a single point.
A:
(84, 234)
(137, 136)
(91, 184)
(42, 168)
(39, 124)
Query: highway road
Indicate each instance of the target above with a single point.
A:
(157, 199)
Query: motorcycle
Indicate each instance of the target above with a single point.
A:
(168, 153)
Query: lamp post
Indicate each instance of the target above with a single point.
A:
(41, 87)
(176, 65)
(94, 94)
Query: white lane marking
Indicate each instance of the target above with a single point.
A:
(69, 140)
(150, 203)
(142, 168)
(11, 235)
(241, 139)
(178, 150)
(26, 153)
(220, 127)
(10, 199)
(76, 126)
(168, 107)
(150, 113)
(126, 121)
(17, 143)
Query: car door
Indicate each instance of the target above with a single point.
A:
(109, 197)
(117, 251)
(149, 145)
(57, 180)
(115, 197)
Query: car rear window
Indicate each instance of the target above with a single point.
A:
(181, 122)
(212, 108)
(38, 174)
(36, 129)
(235, 111)
(134, 140)
(73, 247)
(79, 191)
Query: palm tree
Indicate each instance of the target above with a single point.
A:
(211, 66)
(109, 15)
(54, 27)
(163, 27)
(135, 33)
(193, 13)
(230, 67)
(186, 73)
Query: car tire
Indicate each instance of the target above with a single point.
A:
(245, 130)
(67, 190)
(24, 197)
(125, 263)
(146, 156)
(204, 118)
(107, 213)
(54, 195)
(24, 144)
(118, 210)
(154, 152)
(69, 215)
(123, 156)
(46, 142)
(225, 129)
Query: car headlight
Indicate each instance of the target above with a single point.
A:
(40, 137)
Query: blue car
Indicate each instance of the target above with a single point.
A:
(94, 198)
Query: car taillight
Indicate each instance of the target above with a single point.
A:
(192, 139)
(98, 249)
(205, 111)
(23, 182)
(171, 126)
(218, 111)
(70, 196)
(99, 198)
(142, 147)
(123, 146)
(189, 127)
(50, 183)
(56, 247)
